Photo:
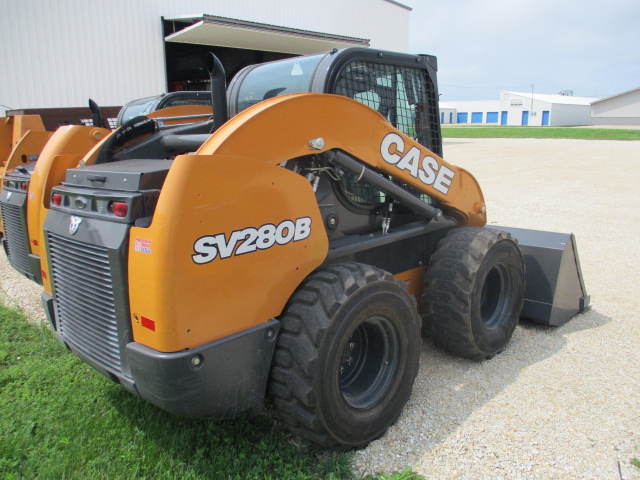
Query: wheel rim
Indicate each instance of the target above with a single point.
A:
(494, 302)
(368, 362)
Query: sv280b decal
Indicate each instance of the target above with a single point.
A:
(250, 239)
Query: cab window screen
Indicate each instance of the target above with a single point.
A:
(278, 78)
(405, 96)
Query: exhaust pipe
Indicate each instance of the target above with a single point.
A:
(218, 91)
(96, 115)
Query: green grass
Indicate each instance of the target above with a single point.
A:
(635, 462)
(540, 132)
(61, 419)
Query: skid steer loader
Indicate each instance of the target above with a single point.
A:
(22, 137)
(24, 201)
(287, 251)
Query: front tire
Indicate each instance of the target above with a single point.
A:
(474, 289)
(347, 356)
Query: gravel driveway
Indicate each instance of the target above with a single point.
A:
(558, 403)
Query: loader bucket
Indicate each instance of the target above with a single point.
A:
(554, 287)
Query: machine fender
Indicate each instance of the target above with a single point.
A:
(64, 150)
(31, 143)
(230, 240)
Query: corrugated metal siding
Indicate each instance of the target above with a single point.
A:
(569, 115)
(626, 105)
(59, 54)
(615, 120)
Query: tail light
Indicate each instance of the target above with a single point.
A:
(119, 209)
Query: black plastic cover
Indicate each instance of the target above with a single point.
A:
(220, 379)
(129, 176)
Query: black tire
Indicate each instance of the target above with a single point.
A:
(346, 357)
(474, 289)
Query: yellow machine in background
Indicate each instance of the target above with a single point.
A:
(22, 137)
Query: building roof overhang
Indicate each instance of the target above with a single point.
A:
(229, 32)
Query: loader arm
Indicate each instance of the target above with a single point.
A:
(281, 128)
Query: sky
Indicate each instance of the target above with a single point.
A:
(591, 47)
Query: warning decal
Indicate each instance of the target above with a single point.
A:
(142, 245)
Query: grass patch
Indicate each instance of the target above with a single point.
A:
(635, 462)
(61, 419)
(540, 132)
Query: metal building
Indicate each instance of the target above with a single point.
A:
(59, 54)
(522, 109)
(620, 109)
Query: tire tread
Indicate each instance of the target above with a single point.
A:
(447, 296)
(304, 321)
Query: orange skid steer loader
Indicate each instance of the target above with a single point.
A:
(287, 251)
(22, 137)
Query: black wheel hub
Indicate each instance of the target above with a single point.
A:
(494, 301)
(368, 362)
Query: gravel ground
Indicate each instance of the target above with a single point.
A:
(558, 403)
(17, 291)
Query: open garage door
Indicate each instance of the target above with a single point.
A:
(237, 43)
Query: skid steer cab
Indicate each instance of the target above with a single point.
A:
(286, 252)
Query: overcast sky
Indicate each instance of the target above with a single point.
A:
(591, 46)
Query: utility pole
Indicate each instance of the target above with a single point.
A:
(532, 114)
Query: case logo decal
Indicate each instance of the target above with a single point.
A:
(74, 223)
(250, 239)
(427, 169)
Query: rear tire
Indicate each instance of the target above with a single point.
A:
(347, 356)
(474, 289)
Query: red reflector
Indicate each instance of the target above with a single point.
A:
(23, 186)
(148, 323)
(35, 242)
(56, 199)
(44, 274)
(119, 209)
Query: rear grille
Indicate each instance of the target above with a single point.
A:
(15, 233)
(84, 299)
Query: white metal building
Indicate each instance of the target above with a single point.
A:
(59, 54)
(447, 112)
(473, 111)
(517, 108)
(620, 109)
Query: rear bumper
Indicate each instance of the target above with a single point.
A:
(220, 379)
